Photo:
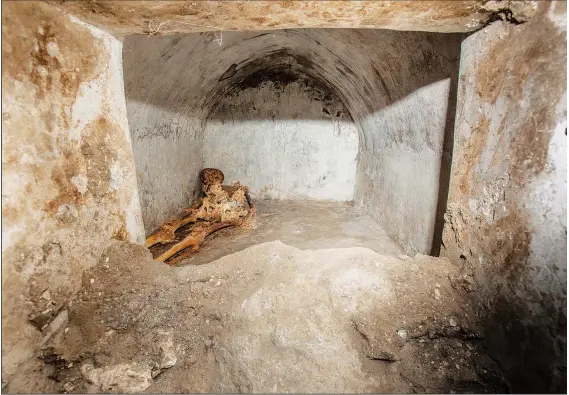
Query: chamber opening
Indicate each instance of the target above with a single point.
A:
(299, 115)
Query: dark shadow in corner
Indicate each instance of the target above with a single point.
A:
(526, 345)
(446, 163)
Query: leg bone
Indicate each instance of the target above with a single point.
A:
(166, 233)
(196, 237)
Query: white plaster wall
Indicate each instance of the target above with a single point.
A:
(283, 143)
(400, 165)
(167, 149)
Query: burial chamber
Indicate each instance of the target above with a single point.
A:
(443, 122)
(297, 114)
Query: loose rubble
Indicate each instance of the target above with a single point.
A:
(271, 318)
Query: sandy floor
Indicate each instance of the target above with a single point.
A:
(305, 225)
(269, 318)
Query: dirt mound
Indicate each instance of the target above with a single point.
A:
(271, 318)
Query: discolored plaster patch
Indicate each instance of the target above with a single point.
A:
(511, 238)
(68, 193)
(472, 151)
(490, 76)
(99, 153)
(37, 53)
(121, 233)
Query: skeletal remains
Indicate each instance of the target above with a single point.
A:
(220, 207)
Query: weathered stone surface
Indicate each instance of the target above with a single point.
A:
(68, 177)
(171, 17)
(506, 219)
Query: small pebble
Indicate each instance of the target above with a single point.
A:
(452, 322)
(402, 333)
(437, 294)
(92, 280)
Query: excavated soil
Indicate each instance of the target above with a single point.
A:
(270, 318)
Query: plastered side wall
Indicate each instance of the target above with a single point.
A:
(400, 165)
(167, 148)
(166, 123)
(68, 175)
(285, 140)
(506, 218)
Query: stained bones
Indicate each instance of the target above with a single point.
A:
(221, 206)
